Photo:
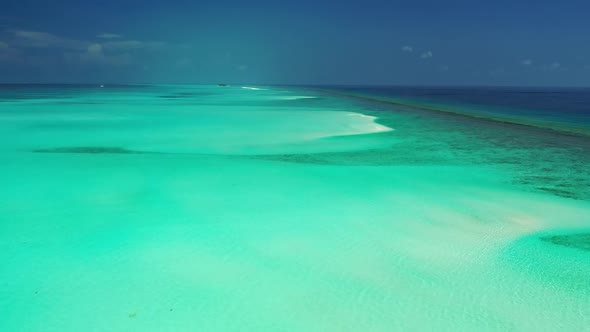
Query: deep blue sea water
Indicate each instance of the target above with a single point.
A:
(567, 107)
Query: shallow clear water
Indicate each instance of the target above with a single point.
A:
(204, 208)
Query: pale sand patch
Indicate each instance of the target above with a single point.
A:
(253, 88)
(297, 97)
(363, 124)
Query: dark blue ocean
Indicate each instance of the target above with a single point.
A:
(555, 107)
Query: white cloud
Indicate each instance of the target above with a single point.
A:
(126, 45)
(94, 56)
(109, 36)
(426, 55)
(34, 35)
(95, 49)
(527, 62)
(110, 50)
(37, 39)
(407, 48)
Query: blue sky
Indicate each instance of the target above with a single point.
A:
(420, 42)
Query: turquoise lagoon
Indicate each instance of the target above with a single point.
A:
(206, 208)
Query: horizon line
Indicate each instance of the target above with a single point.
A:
(309, 85)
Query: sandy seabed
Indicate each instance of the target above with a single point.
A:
(230, 209)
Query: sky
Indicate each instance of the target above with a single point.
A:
(369, 42)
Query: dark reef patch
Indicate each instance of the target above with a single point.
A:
(575, 241)
(88, 150)
(558, 192)
(177, 95)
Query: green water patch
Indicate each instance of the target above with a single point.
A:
(556, 259)
(89, 150)
(575, 241)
